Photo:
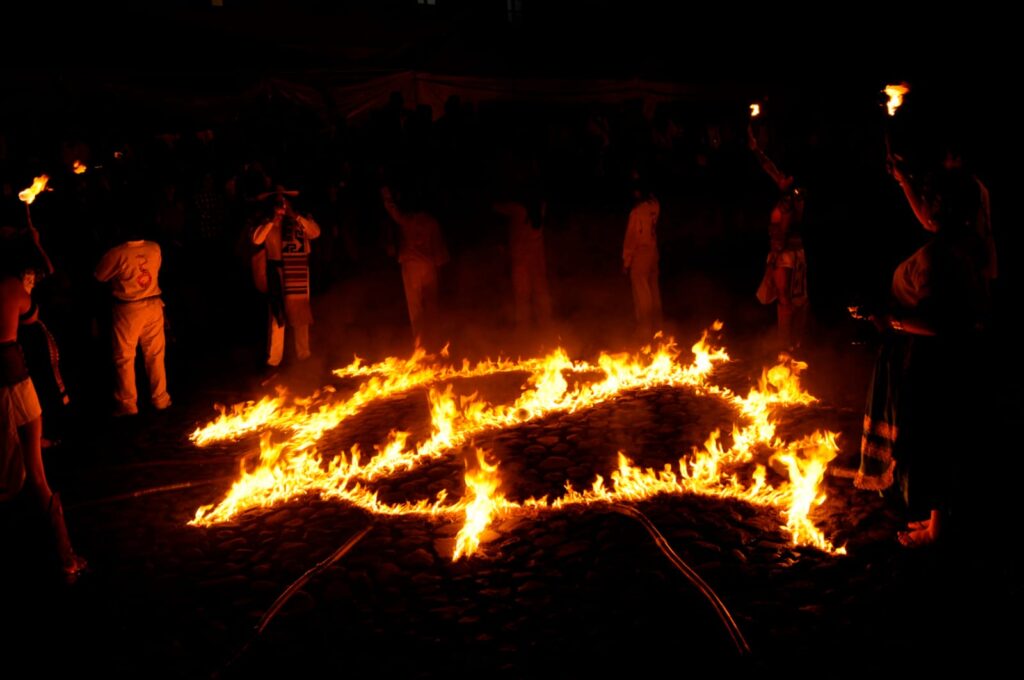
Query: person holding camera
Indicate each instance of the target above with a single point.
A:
(284, 239)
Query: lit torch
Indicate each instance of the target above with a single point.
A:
(38, 185)
(755, 112)
(29, 195)
(895, 94)
(79, 168)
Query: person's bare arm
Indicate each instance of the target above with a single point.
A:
(308, 225)
(766, 163)
(42, 252)
(262, 230)
(911, 325)
(913, 198)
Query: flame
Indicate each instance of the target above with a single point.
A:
(79, 168)
(755, 110)
(895, 94)
(735, 466)
(481, 505)
(38, 184)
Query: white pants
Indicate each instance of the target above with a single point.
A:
(275, 342)
(138, 323)
(420, 280)
(643, 274)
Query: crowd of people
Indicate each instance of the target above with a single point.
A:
(202, 221)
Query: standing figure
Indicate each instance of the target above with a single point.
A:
(640, 261)
(785, 278)
(421, 250)
(284, 240)
(529, 263)
(133, 269)
(919, 414)
(21, 425)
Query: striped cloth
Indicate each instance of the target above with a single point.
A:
(295, 254)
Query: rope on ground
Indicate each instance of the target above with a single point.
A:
(152, 490)
(283, 598)
(302, 580)
(720, 609)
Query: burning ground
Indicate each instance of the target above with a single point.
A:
(187, 575)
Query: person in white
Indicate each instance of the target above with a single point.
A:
(529, 264)
(286, 236)
(421, 250)
(133, 269)
(640, 261)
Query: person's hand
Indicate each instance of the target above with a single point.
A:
(882, 322)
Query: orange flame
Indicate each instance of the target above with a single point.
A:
(292, 466)
(38, 185)
(755, 110)
(895, 94)
(481, 505)
(79, 168)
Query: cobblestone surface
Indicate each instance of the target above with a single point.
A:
(567, 593)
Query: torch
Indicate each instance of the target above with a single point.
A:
(79, 168)
(29, 195)
(895, 94)
(755, 112)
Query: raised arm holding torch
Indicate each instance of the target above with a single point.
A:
(894, 162)
(27, 197)
(895, 94)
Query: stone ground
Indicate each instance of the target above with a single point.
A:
(570, 593)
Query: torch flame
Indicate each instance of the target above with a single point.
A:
(755, 110)
(79, 168)
(38, 185)
(895, 94)
(732, 466)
